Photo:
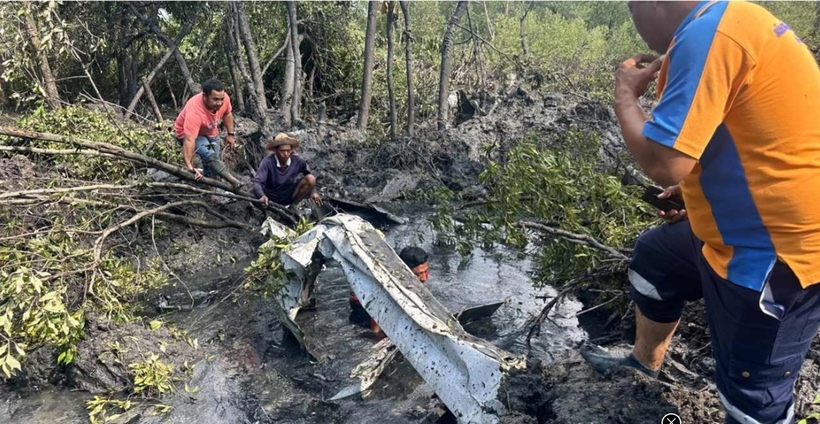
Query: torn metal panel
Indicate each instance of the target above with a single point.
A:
(464, 371)
(370, 369)
(302, 264)
(472, 313)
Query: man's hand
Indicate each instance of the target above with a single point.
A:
(197, 174)
(672, 216)
(316, 198)
(231, 140)
(635, 74)
(264, 200)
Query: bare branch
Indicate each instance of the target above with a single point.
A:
(53, 151)
(278, 52)
(575, 238)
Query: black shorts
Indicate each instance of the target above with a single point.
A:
(758, 353)
(358, 315)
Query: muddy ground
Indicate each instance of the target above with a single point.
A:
(223, 360)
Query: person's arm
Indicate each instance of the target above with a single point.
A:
(227, 120)
(662, 164)
(260, 178)
(190, 132)
(701, 80)
(230, 138)
(314, 192)
(377, 330)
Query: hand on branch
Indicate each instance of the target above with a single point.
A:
(196, 172)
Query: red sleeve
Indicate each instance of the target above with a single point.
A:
(193, 122)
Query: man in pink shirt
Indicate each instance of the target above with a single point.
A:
(197, 130)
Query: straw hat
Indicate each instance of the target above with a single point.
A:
(282, 139)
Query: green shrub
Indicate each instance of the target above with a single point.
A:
(83, 123)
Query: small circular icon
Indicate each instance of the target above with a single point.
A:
(671, 418)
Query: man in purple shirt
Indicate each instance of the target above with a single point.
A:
(278, 178)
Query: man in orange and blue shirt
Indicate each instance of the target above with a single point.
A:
(737, 131)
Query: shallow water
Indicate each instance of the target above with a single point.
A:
(264, 377)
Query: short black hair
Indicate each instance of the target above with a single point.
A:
(413, 256)
(212, 84)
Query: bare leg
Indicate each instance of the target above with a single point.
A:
(304, 188)
(651, 340)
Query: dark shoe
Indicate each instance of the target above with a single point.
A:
(605, 362)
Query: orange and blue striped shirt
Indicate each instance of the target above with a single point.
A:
(740, 92)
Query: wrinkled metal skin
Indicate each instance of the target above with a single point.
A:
(463, 370)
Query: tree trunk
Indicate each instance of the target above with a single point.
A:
(183, 65)
(521, 36)
(296, 102)
(391, 23)
(490, 29)
(238, 96)
(287, 86)
(367, 74)
(408, 60)
(150, 78)
(122, 57)
(49, 82)
(444, 76)
(258, 115)
(147, 87)
(253, 58)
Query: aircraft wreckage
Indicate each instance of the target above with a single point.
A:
(465, 371)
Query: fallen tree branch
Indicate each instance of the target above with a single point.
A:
(111, 149)
(575, 238)
(98, 244)
(147, 80)
(535, 325)
(225, 223)
(25, 149)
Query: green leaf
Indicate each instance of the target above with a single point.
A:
(12, 363)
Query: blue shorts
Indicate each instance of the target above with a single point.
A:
(758, 356)
(206, 148)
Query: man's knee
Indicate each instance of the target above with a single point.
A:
(310, 180)
(661, 278)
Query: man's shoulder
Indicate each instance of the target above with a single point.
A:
(191, 104)
(268, 160)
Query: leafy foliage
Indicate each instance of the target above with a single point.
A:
(84, 123)
(558, 185)
(103, 410)
(265, 274)
(42, 281)
(814, 416)
(568, 45)
(153, 377)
